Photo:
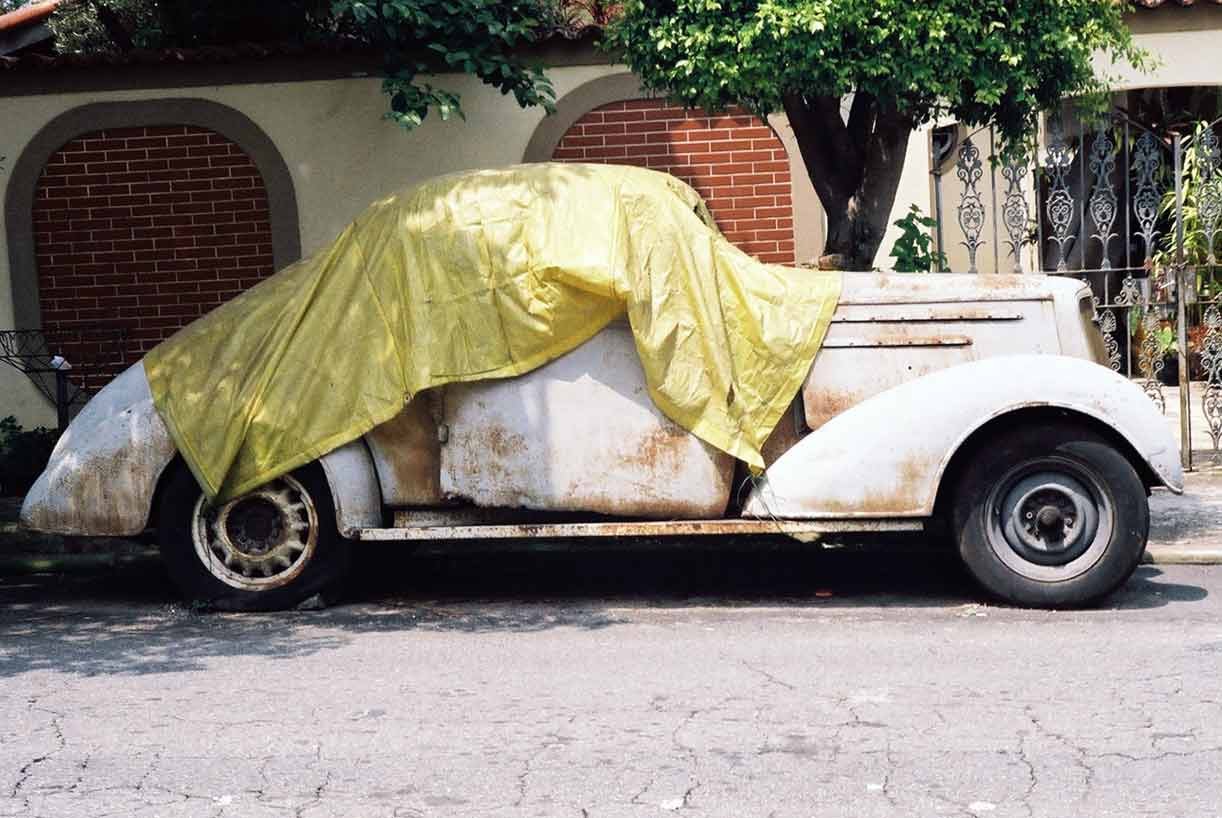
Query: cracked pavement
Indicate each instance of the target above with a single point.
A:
(636, 683)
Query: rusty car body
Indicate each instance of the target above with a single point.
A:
(918, 378)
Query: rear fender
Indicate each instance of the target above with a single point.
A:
(104, 470)
(354, 487)
(102, 477)
(886, 456)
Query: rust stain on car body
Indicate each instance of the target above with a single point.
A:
(407, 454)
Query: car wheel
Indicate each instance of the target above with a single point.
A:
(269, 549)
(1050, 516)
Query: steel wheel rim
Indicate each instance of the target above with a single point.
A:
(259, 541)
(1049, 519)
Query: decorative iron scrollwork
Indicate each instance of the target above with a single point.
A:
(1108, 326)
(1209, 199)
(1147, 162)
(1015, 214)
(1211, 367)
(1150, 362)
(1059, 206)
(1130, 292)
(971, 206)
(1102, 203)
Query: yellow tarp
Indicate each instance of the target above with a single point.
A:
(489, 274)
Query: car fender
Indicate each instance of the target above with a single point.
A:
(886, 456)
(102, 476)
(355, 490)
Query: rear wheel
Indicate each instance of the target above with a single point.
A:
(1050, 516)
(269, 549)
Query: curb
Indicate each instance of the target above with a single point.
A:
(1182, 555)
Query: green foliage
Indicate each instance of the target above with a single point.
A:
(913, 250)
(414, 38)
(23, 455)
(477, 37)
(1195, 182)
(106, 26)
(1165, 342)
(983, 62)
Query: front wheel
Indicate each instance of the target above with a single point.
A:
(269, 549)
(1050, 516)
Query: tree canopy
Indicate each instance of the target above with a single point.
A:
(855, 77)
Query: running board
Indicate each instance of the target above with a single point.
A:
(804, 529)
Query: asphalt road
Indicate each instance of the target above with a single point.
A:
(715, 683)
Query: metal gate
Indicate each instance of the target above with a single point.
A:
(1135, 213)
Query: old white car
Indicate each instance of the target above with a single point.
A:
(974, 401)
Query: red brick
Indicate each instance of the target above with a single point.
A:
(110, 212)
(581, 141)
(595, 129)
(635, 104)
(754, 201)
(188, 139)
(168, 153)
(72, 169)
(126, 155)
(145, 142)
(230, 161)
(631, 116)
(602, 153)
(111, 167)
(751, 156)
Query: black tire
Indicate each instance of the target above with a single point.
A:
(1016, 505)
(319, 558)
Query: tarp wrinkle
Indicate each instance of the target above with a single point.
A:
(489, 274)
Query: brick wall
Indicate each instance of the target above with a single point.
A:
(733, 160)
(146, 229)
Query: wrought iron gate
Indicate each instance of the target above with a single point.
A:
(1136, 214)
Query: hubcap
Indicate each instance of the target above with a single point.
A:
(1049, 519)
(259, 541)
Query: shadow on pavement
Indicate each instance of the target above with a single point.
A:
(1145, 589)
(126, 620)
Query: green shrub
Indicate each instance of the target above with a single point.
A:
(23, 455)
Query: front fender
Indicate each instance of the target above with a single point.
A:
(886, 456)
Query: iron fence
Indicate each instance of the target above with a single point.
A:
(66, 365)
(1134, 212)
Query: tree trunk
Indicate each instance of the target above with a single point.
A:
(855, 167)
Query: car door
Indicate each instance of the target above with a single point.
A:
(578, 434)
